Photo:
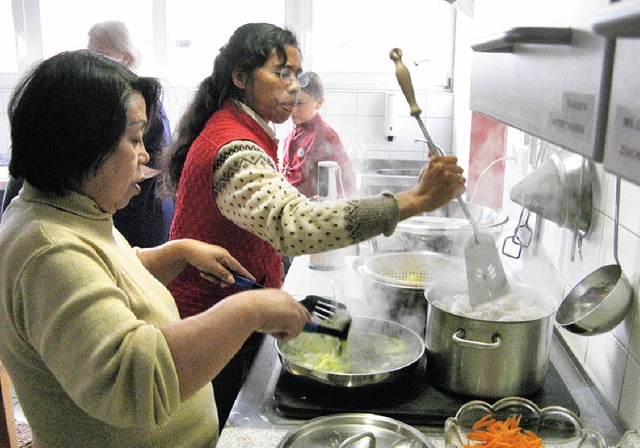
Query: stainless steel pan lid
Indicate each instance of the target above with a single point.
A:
(348, 430)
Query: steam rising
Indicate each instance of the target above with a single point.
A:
(523, 304)
(405, 306)
(395, 282)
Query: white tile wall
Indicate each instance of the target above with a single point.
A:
(612, 360)
(344, 111)
(629, 402)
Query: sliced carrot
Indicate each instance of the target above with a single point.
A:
(491, 433)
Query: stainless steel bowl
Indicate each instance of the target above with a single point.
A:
(450, 219)
(598, 303)
(443, 230)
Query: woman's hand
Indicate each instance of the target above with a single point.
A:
(438, 184)
(203, 344)
(279, 314)
(215, 263)
(168, 260)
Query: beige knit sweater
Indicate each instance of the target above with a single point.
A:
(79, 333)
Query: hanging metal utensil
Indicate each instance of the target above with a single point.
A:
(522, 235)
(603, 298)
(486, 278)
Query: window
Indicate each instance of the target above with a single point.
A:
(8, 50)
(355, 43)
(347, 42)
(196, 29)
(60, 34)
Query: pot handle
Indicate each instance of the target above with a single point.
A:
(362, 435)
(460, 335)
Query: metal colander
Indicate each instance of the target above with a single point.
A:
(409, 269)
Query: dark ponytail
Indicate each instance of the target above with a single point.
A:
(248, 49)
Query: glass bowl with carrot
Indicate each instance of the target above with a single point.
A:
(516, 422)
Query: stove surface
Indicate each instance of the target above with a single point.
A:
(411, 400)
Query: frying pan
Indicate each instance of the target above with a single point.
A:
(377, 351)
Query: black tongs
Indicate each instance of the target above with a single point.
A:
(330, 316)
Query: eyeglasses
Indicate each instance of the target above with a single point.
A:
(288, 75)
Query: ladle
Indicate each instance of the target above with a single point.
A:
(602, 299)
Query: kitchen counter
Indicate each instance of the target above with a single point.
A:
(254, 421)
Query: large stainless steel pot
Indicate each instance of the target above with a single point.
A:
(385, 362)
(487, 359)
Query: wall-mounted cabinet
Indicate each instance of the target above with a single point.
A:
(620, 22)
(539, 67)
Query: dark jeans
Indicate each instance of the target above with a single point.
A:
(286, 261)
(145, 221)
(229, 381)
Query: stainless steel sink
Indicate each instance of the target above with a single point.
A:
(398, 172)
(389, 175)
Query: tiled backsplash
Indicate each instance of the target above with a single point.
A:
(365, 111)
(344, 111)
(611, 360)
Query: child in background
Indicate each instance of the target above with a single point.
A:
(311, 141)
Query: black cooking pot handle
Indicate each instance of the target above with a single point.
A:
(459, 338)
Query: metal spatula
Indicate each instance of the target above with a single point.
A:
(485, 274)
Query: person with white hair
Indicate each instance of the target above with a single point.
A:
(112, 38)
(145, 222)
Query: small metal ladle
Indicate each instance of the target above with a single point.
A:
(602, 299)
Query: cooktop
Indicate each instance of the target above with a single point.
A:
(411, 399)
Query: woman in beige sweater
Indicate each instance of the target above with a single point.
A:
(89, 334)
